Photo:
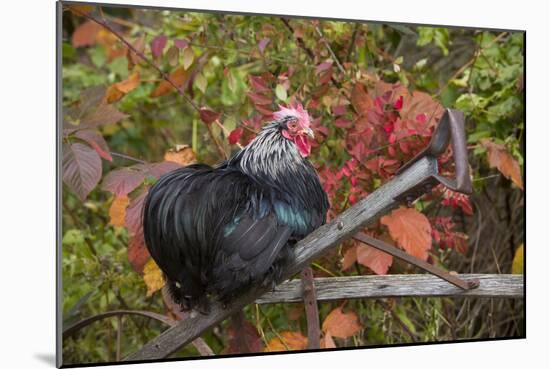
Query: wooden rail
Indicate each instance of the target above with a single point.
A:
(401, 285)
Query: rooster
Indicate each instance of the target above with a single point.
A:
(215, 231)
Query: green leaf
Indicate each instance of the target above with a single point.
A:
(188, 57)
(470, 102)
(98, 56)
(119, 66)
(201, 82)
(280, 92)
(172, 55)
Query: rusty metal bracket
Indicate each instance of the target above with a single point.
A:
(450, 129)
(432, 269)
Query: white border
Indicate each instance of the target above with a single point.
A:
(27, 185)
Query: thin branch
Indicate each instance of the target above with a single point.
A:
(127, 157)
(69, 331)
(352, 42)
(201, 346)
(336, 60)
(299, 41)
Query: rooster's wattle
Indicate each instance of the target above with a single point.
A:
(214, 231)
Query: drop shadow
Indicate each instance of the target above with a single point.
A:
(46, 358)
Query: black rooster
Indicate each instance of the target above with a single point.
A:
(214, 231)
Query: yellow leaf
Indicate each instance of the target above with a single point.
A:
(287, 341)
(517, 263)
(182, 154)
(152, 276)
(188, 57)
(178, 76)
(116, 91)
(117, 211)
(79, 10)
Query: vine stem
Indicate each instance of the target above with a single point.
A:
(127, 157)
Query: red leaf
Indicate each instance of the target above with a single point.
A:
(96, 140)
(85, 34)
(327, 341)
(339, 109)
(322, 67)
(158, 44)
(121, 182)
(139, 45)
(258, 84)
(235, 135)
(181, 44)
(421, 103)
(102, 116)
(411, 230)
(81, 169)
(264, 110)
(398, 104)
(138, 255)
(340, 324)
(361, 100)
(325, 77)
(350, 257)
(244, 339)
(376, 260)
(208, 116)
(133, 219)
(157, 170)
(259, 99)
(343, 123)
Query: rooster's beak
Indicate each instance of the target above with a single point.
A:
(308, 131)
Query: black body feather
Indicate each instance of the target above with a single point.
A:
(216, 230)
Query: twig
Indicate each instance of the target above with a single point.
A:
(118, 336)
(300, 42)
(389, 308)
(352, 42)
(338, 64)
(127, 157)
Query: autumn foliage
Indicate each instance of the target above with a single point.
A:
(142, 101)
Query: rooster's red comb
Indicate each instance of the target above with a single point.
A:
(295, 109)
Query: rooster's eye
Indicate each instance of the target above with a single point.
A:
(292, 125)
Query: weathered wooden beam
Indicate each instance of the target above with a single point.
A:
(400, 285)
(310, 248)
